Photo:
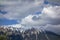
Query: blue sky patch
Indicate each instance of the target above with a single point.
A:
(2, 12)
(38, 13)
(46, 2)
(7, 22)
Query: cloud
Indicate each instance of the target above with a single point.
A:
(53, 28)
(52, 11)
(49, 19)
(15, 25)
(33, 20)
(24, 12)
(52, 14)
(49, 15)
(1, 16)
(21, 8)
(54, 1)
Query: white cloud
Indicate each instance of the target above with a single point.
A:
(14, 25)
(21, 8)
(49, 15)
(52, 11)
(30, 20)
(24, 10)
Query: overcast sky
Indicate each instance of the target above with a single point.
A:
(31, 13)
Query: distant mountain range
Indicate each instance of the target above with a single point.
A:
(29, 34)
